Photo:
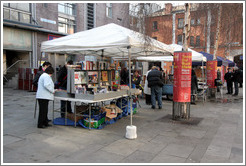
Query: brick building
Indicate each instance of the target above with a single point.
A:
(166, 26)
(27, 25)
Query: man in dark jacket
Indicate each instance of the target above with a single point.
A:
(228, 78)
(194, 86)
(235, 78)
(62, 81)
(155, 83)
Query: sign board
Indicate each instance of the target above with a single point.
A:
(211, 73)
(182, 76)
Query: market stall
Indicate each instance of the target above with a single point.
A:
(108, 41)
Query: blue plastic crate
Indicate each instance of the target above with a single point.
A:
(61, 121)
(96, 117)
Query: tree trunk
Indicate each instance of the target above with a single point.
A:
(217, 33)
(186, 31)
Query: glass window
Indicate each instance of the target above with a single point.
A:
(192, 41)
(67, 8)
(180, 42)
(25, 18)
(198, 21)
(6, 4)
(192, 22)
(155, 25)
(90, 15)
(198, 41)
(6, 14)
(21, 6)
(66, 26)
(14, 15)
(109, 11)
(180, 23)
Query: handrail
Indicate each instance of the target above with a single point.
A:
(11, 67)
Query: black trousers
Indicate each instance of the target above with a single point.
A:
(229, 87)
(43, 111)
(63, 107)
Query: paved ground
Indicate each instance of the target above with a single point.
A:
(214, 135)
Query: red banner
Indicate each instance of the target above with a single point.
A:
(211, 73)
(182, 76)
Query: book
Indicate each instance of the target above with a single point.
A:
(79, 78)
(104, 76)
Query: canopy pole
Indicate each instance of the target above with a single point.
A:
(130, 80)
(131, 131)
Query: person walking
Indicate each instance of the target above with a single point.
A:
(228, 78)
(147, 90)
(235, 78)
(155, 83)
(62, 84)
(194, 86)
(45, 93)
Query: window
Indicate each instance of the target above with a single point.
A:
(198, 21)
(192, 41)
(67, 8)
(192, 22)
(20, 12)
(45, 4)
(109, 12)
(90, 15)
(155, 27)
(180, 42)
(198, 41)
(180, 23)
(155, 38)
(66, 25)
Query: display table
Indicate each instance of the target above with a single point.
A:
(107, 97)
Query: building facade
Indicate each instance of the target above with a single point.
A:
(167, 26)
(27, 25)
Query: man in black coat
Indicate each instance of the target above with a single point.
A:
(62, 80)
(228, 78)
(194, 86)
(155, 83)
(235, 78)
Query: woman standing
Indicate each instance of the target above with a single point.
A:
(45, 93)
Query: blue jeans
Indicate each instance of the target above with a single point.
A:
(156, 92)
(236, 87)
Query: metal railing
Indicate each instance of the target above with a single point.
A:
(11, 67)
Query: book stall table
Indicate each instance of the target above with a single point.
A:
(91, 99)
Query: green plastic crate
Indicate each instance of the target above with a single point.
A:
(94, 123)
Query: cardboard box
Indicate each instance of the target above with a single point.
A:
(111, 111)
(71, 117)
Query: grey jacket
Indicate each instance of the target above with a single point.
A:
(45, 87)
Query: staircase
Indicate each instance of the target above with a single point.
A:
(12, 80)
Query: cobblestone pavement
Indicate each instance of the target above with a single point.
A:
(214, 134)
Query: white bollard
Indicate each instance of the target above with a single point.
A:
(131, 132)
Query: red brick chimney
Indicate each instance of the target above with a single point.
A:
(168, 8)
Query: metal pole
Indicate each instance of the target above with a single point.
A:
(130, 80)
(89, 116)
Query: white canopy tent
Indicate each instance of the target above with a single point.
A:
(113, 39)
(109, 40)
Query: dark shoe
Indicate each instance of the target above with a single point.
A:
(153, 107)
(49, 120)
(227, 93)
(193, 103)
(42, 127)
(160, 107)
